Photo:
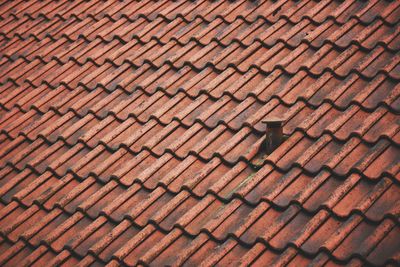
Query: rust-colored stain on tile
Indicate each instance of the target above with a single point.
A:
(131, 133)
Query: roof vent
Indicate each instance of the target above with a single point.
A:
(274, 133)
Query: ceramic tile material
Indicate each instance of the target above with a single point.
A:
(131, 133)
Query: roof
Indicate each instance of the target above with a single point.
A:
(131, 133)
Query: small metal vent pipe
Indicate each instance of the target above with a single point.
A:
(274, 133)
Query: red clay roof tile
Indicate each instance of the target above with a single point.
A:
(131, 133)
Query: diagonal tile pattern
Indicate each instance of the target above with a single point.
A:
(131, 133)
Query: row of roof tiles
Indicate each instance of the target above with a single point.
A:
(266, 185)
(317, 11)
(37, 30)
(188, 85)
(72, 128)
(315, 61)
(220, 142)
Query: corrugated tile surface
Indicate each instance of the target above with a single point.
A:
(131, 133)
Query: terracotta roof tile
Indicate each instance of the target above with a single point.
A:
(131, 133)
